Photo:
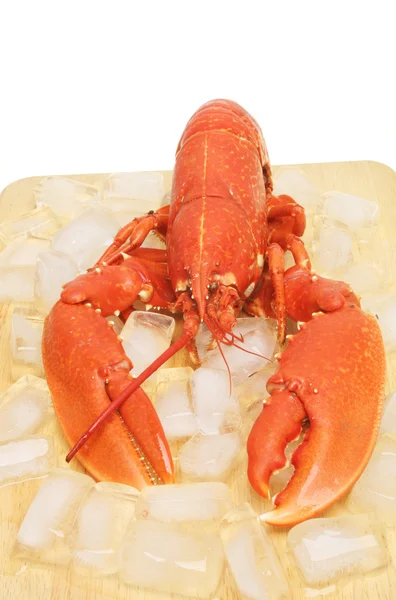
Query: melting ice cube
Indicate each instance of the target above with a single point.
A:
(362, 277)
(26, 333)
(376, 488)
(146, 335)
(184, 502)
(293, 182)
(212, 401)
(353, 211)
(332, 246)
(174, 409)
(40, 222)
(326, 549)
(25, 459)
(134, 190)
(50, 516)
(100, 527)
(251, 556)
(209, 457)
(67, 198)
(260, 345)
(17, 284)
(23, 408)
(23, 252)
(164, 558)
(85, 239)
(53, 270)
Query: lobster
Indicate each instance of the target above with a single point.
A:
(225, 235)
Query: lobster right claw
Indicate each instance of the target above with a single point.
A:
(333, 371)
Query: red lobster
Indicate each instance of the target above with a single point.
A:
(225, 235)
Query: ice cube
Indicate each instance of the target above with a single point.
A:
(23, 252)
(255, 387)
(164, 558)
(384, 309)
(26, 333)
(184, 502)
(67, 198)
(161, 378)
(213, 403)
(362, 277)
(209, 457)
(174, 409)
(388, 422)
(353, 211)
(293, 182)
(53, 270)
(100, 527)
(376, 488)
(23, 408)
(49, 518)
(17, 284)
(40, 222)
(326, 549)
(146, 335)
(251, 556)
(27, 458)
(135, 190)
(242, 364)
(85, 239)
(333, 247)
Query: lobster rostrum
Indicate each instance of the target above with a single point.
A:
(225, 237)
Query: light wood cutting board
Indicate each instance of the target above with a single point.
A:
(368, 179)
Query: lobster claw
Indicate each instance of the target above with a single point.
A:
(332, 372)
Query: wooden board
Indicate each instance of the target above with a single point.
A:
(368, 179)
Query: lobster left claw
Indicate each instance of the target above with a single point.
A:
(333, 373)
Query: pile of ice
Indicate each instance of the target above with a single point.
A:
(71, 226)
(25, 453)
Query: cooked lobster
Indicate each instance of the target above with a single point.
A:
(225, 237)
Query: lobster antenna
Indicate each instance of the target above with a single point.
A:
(115, 404)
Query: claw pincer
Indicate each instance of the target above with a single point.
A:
(332, 373)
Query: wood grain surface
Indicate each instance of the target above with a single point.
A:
(368, 179)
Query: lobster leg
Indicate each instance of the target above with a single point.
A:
(285, 218)
(133, 234)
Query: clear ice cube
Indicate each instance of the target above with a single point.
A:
(326, 549)
(17, 284)
(23, 408)
(164, 558)
(213, 403)
(40, 222)
(53, 270)
(261, 342)
(375, 490)
(293, 182)
(26, 334)
(67, 198)
(50, 517)
(146, 335)
(384, 309)
(134, 190)
(86, 238)
(26, 458)
(255, 387)
(355, 212)
(362, 277)
(161, 378)
(333, 246)
(388, 422)
(116, 323)
(209, 457)
(100, 527)
(251, 556)
(174, 503)
(23, 252)
(173, 406)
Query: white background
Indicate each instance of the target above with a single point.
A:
(91, 86)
